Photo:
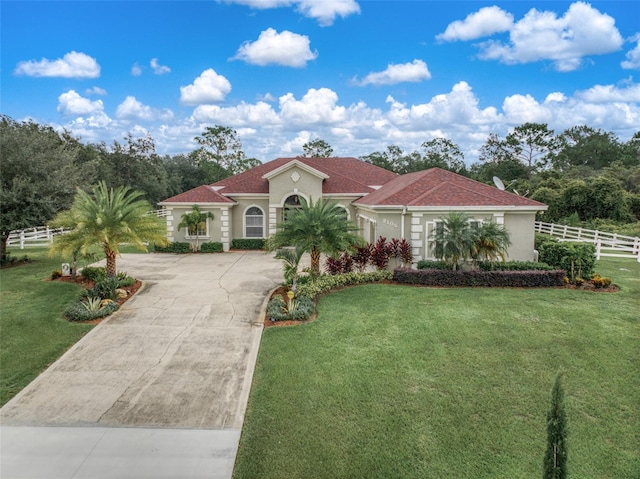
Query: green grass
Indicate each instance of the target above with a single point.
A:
(33, 333)
(404, 382)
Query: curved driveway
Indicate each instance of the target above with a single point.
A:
(179, 355)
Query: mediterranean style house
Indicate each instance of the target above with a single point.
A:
(381, 203)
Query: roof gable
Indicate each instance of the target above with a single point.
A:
(438, 187)
(303, 166)
(201, 194)
(340, 176)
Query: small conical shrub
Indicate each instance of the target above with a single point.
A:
(555, 458)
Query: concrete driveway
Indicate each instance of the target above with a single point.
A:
(171, 370)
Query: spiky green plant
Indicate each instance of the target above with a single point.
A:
(194, 221)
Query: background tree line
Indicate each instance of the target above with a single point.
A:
(585, 175)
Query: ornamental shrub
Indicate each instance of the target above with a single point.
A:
(177, 247)
(326, 283)
(599, 282)
(78, 312)
(380, 253)
(519, 279)
(247, 243)
(299, 309)
(94, 273)
(577, 259)
(213, 247)
(105, 289)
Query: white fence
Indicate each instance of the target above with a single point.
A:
(43, 235)
(607, 244)
(39, 236)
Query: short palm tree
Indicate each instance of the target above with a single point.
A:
(316, 228)
(107, 218)
(194, 222)
(290, 262)
(491, 242)
(453, 239)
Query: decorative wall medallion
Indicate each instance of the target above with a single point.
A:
(295, 176)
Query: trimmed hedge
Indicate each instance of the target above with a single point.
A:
(514, 266)
(327, 282)
(177, 247)
(518, 279)
(431, 264)
(248, 243)
(214, 247)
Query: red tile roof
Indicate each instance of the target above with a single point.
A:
(437, 187)
(201, 194)
(346, 175)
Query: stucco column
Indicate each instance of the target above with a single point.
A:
(225, 218)
(418, 242)
(273, 219)
(170, 228)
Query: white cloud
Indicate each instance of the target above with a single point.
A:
(415, 71)
(209, 87)
(131, 108)
(520, 109)
(324, 11)
(458, 107)
(356, 129)
(260, 114)
(71, 103)
(136, 70)
(72, 65)
(157, 68)
(580, 32)
(96, 90)
(315, 107)
(610, 93)
(273, 48)
(632, 61)
(483, 23)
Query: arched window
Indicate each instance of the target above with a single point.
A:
(292, 202)
(254, 223)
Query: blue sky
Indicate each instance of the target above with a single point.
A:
(360, 74)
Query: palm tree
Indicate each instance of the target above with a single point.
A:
(195, 222)
(290, 262)
(453, 239)
(316, 228)
(108, 218)
(491, 242)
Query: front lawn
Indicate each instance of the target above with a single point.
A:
(404, 382)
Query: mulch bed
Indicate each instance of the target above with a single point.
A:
(88, 284)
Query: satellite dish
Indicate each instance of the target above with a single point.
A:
(498, 182)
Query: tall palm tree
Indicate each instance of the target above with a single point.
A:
(194, 222)
(316, 228)
(107, 218)
(453, 239)
(491, 242)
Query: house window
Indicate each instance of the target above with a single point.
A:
(436, 229)
(292, 202)
(201, 230)
(254, 223)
